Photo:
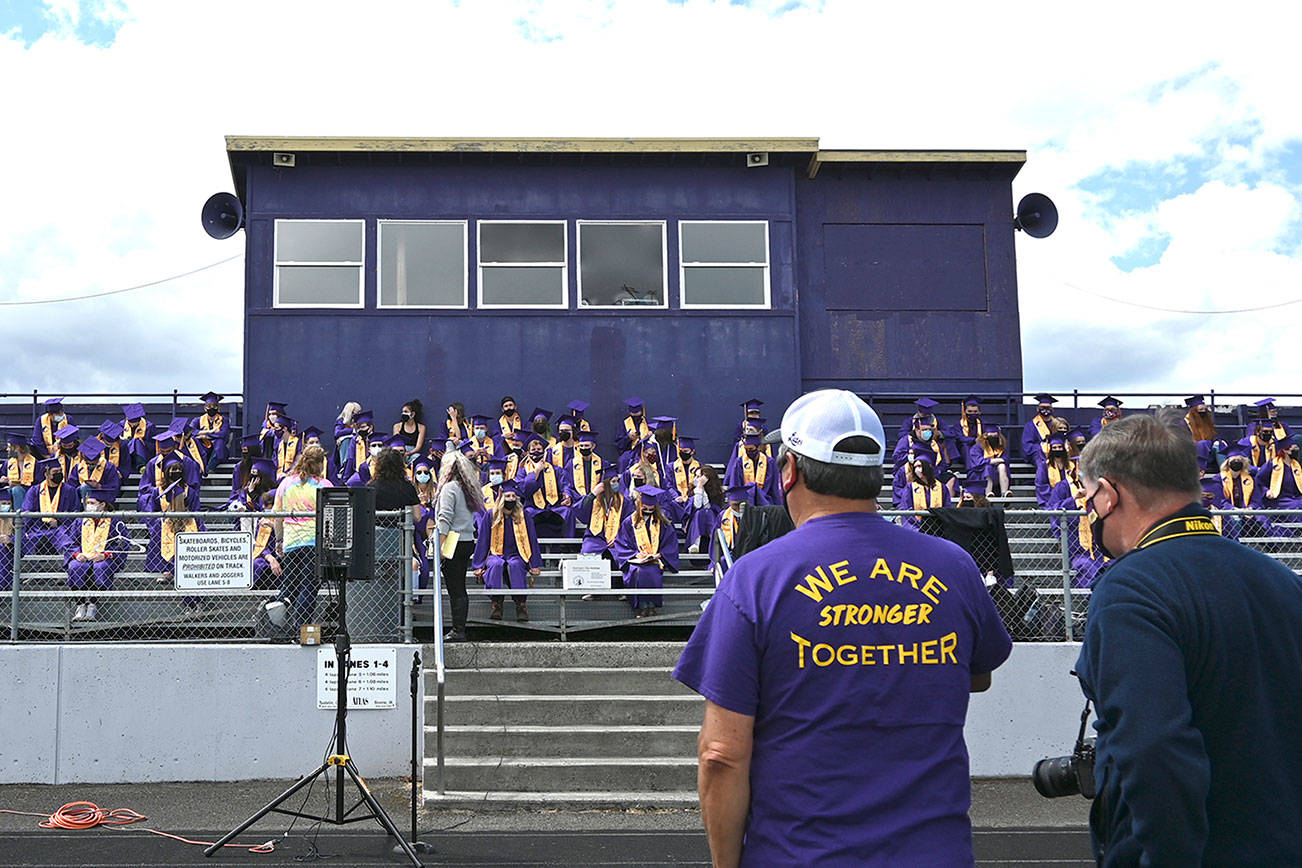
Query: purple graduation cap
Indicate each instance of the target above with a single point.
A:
(565, 421)
(250, 441)
(588, 437)
(310, 432)
(659, 423)
(739, 494)
(172, 460)
(1078, 431)
(92, 449)
(68, 432)
(53, 402)
(16, 439)
(364, 416)
(133, 412)
(752, 405)
(528, 437)
(263, 467)
(752, 440)
(479, 419)
(1045, 398)
(650, 494)
(687, 443)
(633, 403)
(423, 461)
(178, 425)
(971, 401)
(926, 457)
(975, 486)
(1242, 448)
(1194, 401)
(509, 486)
(111, 429)
(278, 406)
(925, 404)
(1056, 439)
(392, 441)
(498, 463)
(991, 430)
(578, 406)
(103, 495)
(1110, 401)
(211, 398)
(540, 413)
(47, 464)
(286, 422)
(167, 434)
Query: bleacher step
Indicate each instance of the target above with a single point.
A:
(577, 774)
(653, 680)
(563, 741)
(611, 800)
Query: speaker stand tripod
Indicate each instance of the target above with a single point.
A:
(340, 761)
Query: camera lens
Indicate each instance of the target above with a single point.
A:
(1056, 777)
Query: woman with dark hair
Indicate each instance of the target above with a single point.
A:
(261, 478)
(704, 506)
(393, 491)
(646, 546)
(459, 500)
(411, 428)
(456, 426)
(250, 451)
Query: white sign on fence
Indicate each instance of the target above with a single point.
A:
(372, 677)
(214, 561)
(584, 573)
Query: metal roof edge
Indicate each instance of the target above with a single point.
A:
(521, 145)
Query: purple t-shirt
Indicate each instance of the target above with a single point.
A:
(852, 641)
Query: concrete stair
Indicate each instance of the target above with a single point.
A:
(575, 725)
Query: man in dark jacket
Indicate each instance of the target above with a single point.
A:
(1193, 658)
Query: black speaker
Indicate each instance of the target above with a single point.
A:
(345, 530)
(222, 215)
(1037, 216)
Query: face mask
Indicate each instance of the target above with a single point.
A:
(94, 506)
(636, 414)
(1236, 464)
(585, 450)
(508, 505)
(508, 411)
(1058, 453)
(174, 475)
(1046, 411)
(974, 414)
(1267, 435)
(1111, 413)
(1096, 528)
(495, 478)
(686, 455)
(638, 482)
(60, 416)
(648, 511)
(375, 450)
(566, 435)
(406, 417)
(481, 433)
(57, 477)
(614, 485)
(422, 477)
(365, 431)
(211, 411)
(5, 507)
(536, 456)
(926, 434)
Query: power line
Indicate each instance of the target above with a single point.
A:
(1180, 310)
(119, 291)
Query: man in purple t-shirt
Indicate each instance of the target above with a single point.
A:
(836, 664)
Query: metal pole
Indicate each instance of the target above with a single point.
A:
(1066, 573)
(17, 574)
(408, 574)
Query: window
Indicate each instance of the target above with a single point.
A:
(422, 263)
(622, 264)
(724, 264)
(522, 264)
(319, 263)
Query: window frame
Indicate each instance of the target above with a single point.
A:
(277, 264)
(664, 264)
(766, 265)
(563, 264)
(379, 265)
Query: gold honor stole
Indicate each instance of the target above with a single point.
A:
(192, 448)
(584, 426)
(755, 471)
(171, 527)
(645, 545)
(94, 535)
(1227, 486)
(498, 539)
(487, 492)
(583, 483)
(160, 475)
(91, 475)
(683, 474)
(740, 449)
(1042, 427)
(922, 495)
(22, 469)
(512, 466)
(136, 429)
(1057, 475)
(967, 427)
(1084, 531)
(114, 452)
(636, 432)
(47, 431)
(459, 432)
(1262, 454)
(729, 526)
(261, 541)
(990, 451)
(359, 451)
(556, 454)
(48, 503)
(286, 452)
(510, 424)
(69, 463)
(1277, 477)
(549, 483)
(207, 430)
(605, 522)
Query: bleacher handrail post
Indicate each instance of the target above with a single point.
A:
(16, 576)
(1066, 573)
(408, 574)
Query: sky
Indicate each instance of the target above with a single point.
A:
(1168, 136)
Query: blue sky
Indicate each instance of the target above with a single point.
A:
(1171, 145)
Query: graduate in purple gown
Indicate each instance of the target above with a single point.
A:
(268, 434)
(138, 435)
(115, 452)
(378, 442)
(963, 434)
(924, 411)
(680, 479)
(645, 470)
(737, 499)
(289, 443)
(603, 512)
(751, 409)
(577, 408)
(540, 423)
(46, 426)
(664, 440)
(919, 488)
(1076, 439)
(507, 554)
(153, 477)
(1082, 548)
(754, 467)
(645, 547)
(1057, 467)
(250, 450)
(988, 460)
(67, 449)
(354, 449)
(1260, 445)
(545, 490)
(48, 535)
(923, 437)
(1238, 489)
(1281, 480)
(6, 544)
(175, 495)
(212, 430)
(261, 479)
(509, 421)
(95, 550)
(95, 471)
(702, 507)
(493, 477)
(632, 432)
(1266, 415)
(20, 469)
(586, 467)
(266, 565)
(1036, 432)
(481, 446)
(1200, 419)
(561, 452)
(1111, 413)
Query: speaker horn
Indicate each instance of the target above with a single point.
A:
(1037, 216)
(223, 215)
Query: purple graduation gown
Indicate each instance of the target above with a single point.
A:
(509, 569)
(110, 479)
(154, 560)
(648, 575)
(593, 544)
(38, 534)
(83, 574)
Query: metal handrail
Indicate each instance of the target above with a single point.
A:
(440, 670)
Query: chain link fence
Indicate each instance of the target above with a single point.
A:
(181, 576)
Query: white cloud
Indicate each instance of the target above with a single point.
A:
(113, 149)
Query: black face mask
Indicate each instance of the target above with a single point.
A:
(174, 475)
(686, 454)
(406, 417)
(566, 435)
(57, 477)
(1046, 411)
(508, 505)
(1236, 464)
(1267, 435)
(211, 411)
(1096, 528)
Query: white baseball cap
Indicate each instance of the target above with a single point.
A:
(817, 421)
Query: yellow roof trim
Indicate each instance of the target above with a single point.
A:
(522, 146)
(921, 156)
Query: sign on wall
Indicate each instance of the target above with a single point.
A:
(214, 561)
(372, 677)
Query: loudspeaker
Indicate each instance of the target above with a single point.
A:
(222, 215)
(756, 159)
(1037, 216)
(345, 530)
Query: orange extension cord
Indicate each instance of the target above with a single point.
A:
(88, 815)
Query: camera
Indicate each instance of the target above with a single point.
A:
(1067, 775)
(1059, 776)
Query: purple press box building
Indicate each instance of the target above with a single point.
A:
(694, 273)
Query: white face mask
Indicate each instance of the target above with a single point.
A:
(375, 450)
(422, 477)
(94, 506)
(495, 478)
(5, 507)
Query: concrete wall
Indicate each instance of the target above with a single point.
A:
(111, 713)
